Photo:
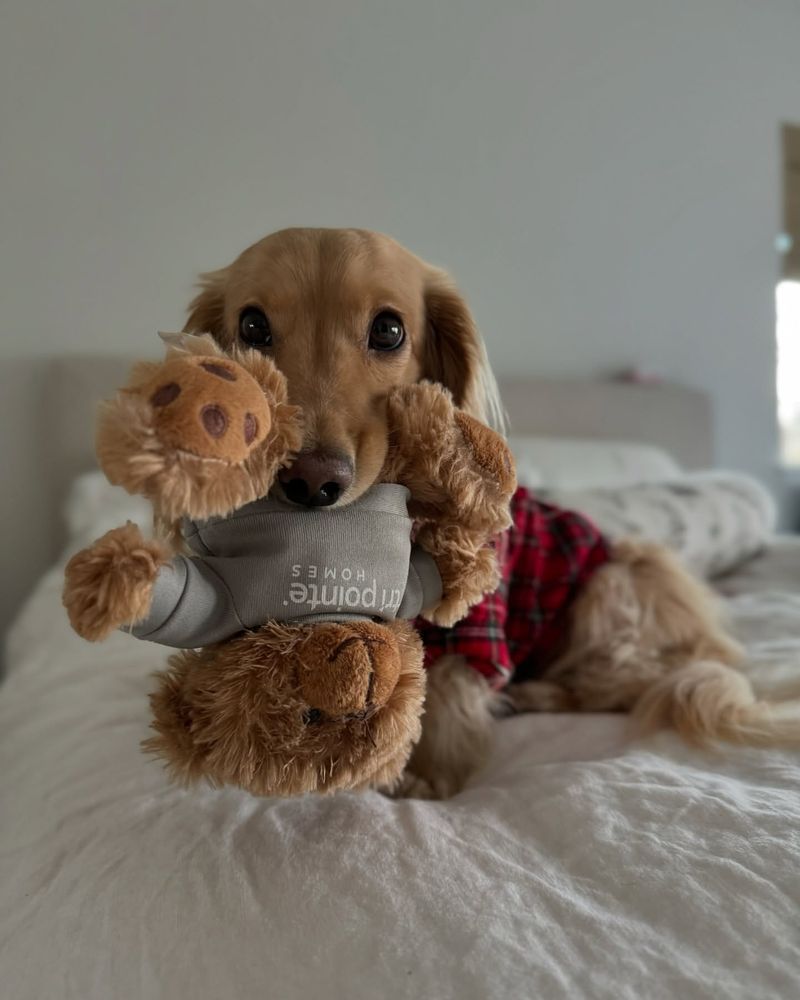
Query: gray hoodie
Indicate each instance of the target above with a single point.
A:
(272, 560)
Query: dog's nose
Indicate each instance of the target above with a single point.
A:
(317, 478)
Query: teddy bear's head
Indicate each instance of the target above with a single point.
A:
(289, 710)
(283, 708)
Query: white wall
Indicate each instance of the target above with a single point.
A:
(602, 176)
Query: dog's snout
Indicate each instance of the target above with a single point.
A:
(317, 478)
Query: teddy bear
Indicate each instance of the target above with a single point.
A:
(298, 668)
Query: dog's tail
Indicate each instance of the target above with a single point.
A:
(707, 701)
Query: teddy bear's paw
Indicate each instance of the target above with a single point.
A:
(111, 583)
(348, 669)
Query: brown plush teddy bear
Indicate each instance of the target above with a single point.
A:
(297, 670)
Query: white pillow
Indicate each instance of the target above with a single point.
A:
(713, 520)
(575, 464)
(93, 506)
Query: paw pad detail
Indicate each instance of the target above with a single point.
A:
(209, 407)
(214, 420)
(166, 394)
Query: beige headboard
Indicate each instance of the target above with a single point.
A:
(75, 385)
(673, 417)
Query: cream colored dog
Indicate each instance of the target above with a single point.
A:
(346, 315)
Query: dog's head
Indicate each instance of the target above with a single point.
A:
(346, 315)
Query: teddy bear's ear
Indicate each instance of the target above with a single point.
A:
(207, 309)
(454, 353)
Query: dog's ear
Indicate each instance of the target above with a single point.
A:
(454, 354)
(207, 308)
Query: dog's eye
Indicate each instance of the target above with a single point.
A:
(254, 328)
(387, 332)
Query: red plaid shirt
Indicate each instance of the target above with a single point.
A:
(546, 556)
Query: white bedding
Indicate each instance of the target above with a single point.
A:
(578, 864)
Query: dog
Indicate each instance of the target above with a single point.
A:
(349, 314)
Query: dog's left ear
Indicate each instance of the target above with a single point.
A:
(207, 309)
(454, 354)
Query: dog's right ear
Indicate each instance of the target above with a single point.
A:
(455, 355)
(207, 308)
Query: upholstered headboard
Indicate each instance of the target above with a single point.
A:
(674, 417)
(74, 387)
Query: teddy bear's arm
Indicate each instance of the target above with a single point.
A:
(423, 587)
(191, 606)
(124, 581)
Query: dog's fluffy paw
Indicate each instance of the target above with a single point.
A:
(412, 786)
(538, 696)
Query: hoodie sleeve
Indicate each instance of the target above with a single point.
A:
(424, 585)
(191, 606)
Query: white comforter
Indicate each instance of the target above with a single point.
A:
(577, 865)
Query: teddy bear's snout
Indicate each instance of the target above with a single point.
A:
(347, 670)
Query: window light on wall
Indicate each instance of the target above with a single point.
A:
(787, 303)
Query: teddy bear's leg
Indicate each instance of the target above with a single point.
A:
(458, 470)
(461, 477)
(110, 583)
(242, 712)
(198, 434)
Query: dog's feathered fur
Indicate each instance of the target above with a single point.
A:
(645, 636)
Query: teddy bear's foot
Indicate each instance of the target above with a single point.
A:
(490, 452)
(198, 434)
(348, 669)
(208, 407)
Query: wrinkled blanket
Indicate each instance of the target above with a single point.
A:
(578, 864)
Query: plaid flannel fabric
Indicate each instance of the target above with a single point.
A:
(545, 556)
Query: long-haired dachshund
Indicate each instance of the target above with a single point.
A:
(348, 314)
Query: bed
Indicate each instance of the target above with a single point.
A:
(582, 862)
